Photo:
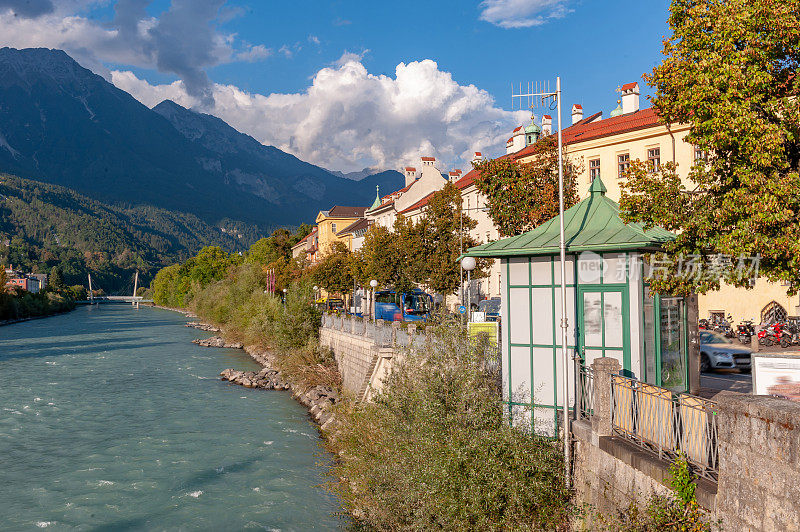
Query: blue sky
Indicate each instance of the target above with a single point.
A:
(268, 54)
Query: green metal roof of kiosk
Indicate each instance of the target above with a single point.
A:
(592, 224)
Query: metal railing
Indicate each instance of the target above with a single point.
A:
(585, 397)
(666, 423)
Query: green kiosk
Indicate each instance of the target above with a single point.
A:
(610, 310)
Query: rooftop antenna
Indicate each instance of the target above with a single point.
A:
(543, 96)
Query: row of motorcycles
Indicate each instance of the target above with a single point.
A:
(784, 334)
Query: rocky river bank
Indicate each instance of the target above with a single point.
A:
(318, 399)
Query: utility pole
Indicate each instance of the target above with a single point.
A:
(135, 303)
(542, 91)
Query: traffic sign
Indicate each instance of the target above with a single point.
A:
(462, 309)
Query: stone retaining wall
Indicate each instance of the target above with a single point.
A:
(758, 470)
(365, 350)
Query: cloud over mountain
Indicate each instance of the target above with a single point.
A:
(184, 40)
(348, 118)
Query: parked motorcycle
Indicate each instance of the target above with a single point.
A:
(745, 331)
(770, 334)
(791, 335)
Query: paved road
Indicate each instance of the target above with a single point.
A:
(714, 382)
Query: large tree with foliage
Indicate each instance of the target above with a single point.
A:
(521, 196)
(436, 241)
(383, 259)
(335, 272)
(731, 72)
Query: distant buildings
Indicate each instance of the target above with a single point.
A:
(32, 282)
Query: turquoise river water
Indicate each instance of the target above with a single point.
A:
(110, 419)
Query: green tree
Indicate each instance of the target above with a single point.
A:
(521, 196)
(730, 70)
(55, 280)
(335, 271)
(436, 240)
(381, 258)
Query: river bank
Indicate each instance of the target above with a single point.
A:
(318, 399)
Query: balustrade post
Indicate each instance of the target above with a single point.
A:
(378, 339)
(352, 324)
(412, 333)
(395, 328)
(602, 369)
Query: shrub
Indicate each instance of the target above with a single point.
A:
(434, 451)
(679, 512)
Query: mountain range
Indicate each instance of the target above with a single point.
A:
(62, 124)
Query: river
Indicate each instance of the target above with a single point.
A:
(110, 419)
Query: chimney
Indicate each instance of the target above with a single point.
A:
(547, 125)
(630, 97)
(477, 157)
(454, 175)
(411, 174)
(577, 113)
(428, 161)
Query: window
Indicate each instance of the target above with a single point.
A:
(487, 236)
(333, 228)
(594, 169)
(467, 202)
(654, 159)
(623, 163)
(699, 154)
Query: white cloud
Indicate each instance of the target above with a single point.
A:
(313, 39)
(522, 13)
(254, 53)
(184, 40)
(349, 119)
(348, 57)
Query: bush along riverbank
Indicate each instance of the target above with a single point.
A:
(20, 305)
(434, 449)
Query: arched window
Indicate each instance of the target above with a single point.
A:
(773, 313)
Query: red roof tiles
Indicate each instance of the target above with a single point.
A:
(428, 158)
(629, 86)
(410, 169)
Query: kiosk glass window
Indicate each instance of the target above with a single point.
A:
(672, 343)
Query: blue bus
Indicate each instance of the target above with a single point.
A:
(408, 306)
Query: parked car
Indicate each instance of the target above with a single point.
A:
(718, 352)
(491, 308)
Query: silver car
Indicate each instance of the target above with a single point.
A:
(718, 352)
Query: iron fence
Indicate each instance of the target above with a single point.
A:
(666, 423)
(585, 398)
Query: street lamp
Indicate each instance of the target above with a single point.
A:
(468, 264)
(284, 298)
(315, 294)
(373, 283)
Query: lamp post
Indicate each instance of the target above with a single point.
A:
(468, 264)
(284, 299)
(315, 294)
(373, 283)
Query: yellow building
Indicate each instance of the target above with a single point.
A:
(605, 147)
(331, 222)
